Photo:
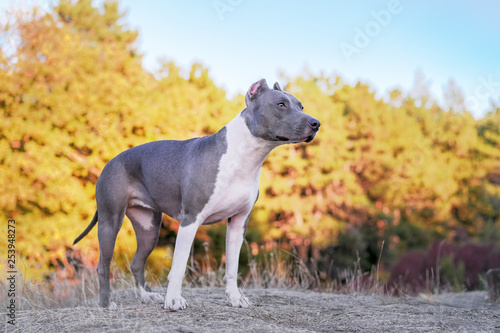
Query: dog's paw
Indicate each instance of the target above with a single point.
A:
(108, 306)
(151, 297)
(175, 304)
(237, 300)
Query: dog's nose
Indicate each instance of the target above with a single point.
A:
(314, 123)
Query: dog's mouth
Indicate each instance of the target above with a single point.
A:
(281, 138)
(309, 138)
(284, 138)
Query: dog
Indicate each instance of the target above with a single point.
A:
(198, 181)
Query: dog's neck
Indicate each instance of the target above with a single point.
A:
(247, 153)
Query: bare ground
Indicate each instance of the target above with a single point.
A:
(274, 310)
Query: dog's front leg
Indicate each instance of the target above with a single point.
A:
(236, 229)
(185, 236)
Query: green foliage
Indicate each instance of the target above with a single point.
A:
(73, 94)
(452, 274)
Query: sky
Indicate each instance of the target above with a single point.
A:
(381, 43)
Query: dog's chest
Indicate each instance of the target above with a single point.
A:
(233, 199)
(235, 191)
(237, 182)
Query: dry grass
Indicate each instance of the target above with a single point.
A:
(277, 269)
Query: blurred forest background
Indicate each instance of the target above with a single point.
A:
(383, 180)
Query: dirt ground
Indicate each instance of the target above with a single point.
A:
(274, 310)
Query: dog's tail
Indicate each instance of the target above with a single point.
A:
(86, 231)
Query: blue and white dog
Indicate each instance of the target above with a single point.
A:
(199, 181)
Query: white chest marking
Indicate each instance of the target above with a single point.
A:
(237, 182)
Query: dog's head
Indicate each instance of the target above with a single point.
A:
(275, 115)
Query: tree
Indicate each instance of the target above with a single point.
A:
(454, 97)
(74, 81)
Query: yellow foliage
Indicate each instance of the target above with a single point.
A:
(74, 94)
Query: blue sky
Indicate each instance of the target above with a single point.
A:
(381, 43)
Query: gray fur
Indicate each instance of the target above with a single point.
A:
(172, 168)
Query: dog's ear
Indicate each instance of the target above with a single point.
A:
(256, 89)
(277, 86)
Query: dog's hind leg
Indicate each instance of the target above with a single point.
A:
(108, 227)
(146, 223)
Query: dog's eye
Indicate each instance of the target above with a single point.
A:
(281, 104)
